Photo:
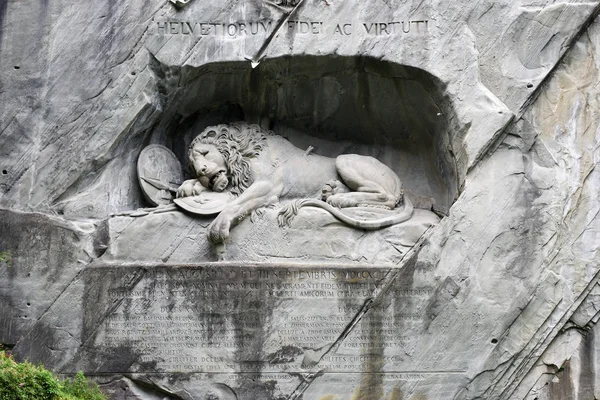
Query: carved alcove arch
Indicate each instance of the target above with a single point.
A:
(399, 114)
(327, 105)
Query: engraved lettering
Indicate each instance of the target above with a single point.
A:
(169, 320)
(266, 26)
(186, 28)
(232, 32)
(420, 22)
(315, 27)
(204, 28)
(393, 27)
(343, 29)
(383, 28)
(244, 28)
(304, 27)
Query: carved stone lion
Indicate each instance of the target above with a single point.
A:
(260, 169)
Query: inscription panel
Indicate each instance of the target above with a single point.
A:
(265, 27)
(252, 319)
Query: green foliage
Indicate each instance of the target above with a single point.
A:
(6, 256)
(25, 381)
(80, 388)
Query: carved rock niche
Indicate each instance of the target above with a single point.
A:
(324, 105)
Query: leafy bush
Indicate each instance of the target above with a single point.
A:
(6, 257)
(25, 381)
(80, 388)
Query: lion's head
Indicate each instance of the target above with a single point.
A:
(237, 143)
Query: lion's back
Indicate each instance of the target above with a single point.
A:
(280, 145)
(301, 173)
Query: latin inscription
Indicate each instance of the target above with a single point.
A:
(296, 27)
(221, 319)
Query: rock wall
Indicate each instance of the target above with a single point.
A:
(486, 111)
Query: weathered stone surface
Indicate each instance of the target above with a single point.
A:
(41, 255)
(272, 322)
(486, 111)
(141, 239)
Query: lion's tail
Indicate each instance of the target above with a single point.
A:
(288, 212)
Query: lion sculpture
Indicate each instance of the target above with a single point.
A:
(261, 168)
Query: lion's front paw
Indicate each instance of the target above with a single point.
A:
(218, 230)
(191, 187)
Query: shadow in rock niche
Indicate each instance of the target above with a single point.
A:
(344, 143)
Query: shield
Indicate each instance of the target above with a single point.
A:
(159, 174)
(206, 203)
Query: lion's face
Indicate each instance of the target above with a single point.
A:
(209, 166)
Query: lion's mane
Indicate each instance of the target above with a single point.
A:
(238, 143)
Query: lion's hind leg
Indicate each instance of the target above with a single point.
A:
(372, 183)
(367, 196)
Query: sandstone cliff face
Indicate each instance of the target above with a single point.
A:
(487, 111)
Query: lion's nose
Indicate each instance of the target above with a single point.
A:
(203, 169)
